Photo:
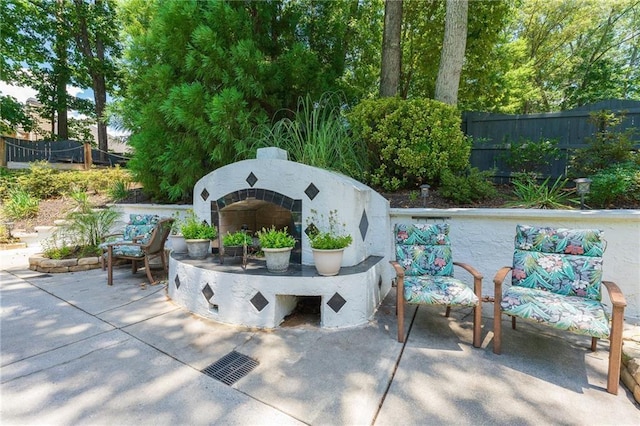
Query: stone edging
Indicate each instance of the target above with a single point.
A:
(40, 263)
(630, 371)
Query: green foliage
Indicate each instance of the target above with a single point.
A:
(274, 238)
(238, 238)
(618, 184)
(203, 75)
(532, 195)
(194, 229)
(119, 190)
(467, 188)
(409, 141)
(85, 225)
(331, 237)
(607, 146)
(20, 205)
(13, 116)
(42, 181)
(317, 135)
(527, 156)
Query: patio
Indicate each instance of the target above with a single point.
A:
(75, 351)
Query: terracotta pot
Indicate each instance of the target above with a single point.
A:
(328, 262)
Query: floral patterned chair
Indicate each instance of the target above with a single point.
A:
(424, 274)
(140, 249)
(556, 281)
(138, 229)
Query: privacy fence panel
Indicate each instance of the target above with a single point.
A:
(492, 133)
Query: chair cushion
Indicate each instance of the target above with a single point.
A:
(424, 249)
(576, 314)
(584, 242)
(128, 250)
(438, 290)
(131, 231)
(143, 219)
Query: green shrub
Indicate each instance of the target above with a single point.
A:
(20, 205)
(238, 238)
(615, 185)
(409, 142)
(119, 190)
(194, 229)
(607, 147)
(467, 188)
(273, 238)
(532, 156)
(532, 195)
(42, 181)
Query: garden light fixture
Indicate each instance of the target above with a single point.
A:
(582, 188)
(424, 192)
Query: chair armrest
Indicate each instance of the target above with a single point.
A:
(473, 271)
(501, 275)
(477, 278)
(615, 294)
(125, 243)
(399, 269)
(104, 237)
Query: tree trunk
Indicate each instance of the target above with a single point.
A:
(61, 72)
(391, 52)
(453, 47)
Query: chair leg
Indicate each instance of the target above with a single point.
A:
(110, 266)
(134, 266)
(447, 312)
(615, 349)
(497, 326)
(513, 322)
(594, 344)
(477, 325)
(400, 310)
(147, 266)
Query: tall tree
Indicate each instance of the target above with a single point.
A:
(453, 50)
(391, 49)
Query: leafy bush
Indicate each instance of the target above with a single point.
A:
(329, 239)
(532, 156)
(273, 238)
(607, 147)
(617, 184)
(194, 229)
(409, 142)
(119, 190)
(238, 238)
(42, 181)
(20, 205)
(532, 195)
(468, 188)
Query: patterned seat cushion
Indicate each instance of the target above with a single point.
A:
(143, 219)
(438, 290)
(576, 314)
(127, 250)
(424, 249)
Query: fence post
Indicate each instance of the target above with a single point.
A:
(3, 153)
(88, 161)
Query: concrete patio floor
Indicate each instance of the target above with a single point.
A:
(75, 351)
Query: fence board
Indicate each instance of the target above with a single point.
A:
(572, 129)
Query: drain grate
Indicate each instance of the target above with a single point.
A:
(231, 367)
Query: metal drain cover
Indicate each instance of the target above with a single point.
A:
(231, 368)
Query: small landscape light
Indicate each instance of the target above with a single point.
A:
(583, 187)
(424, 192)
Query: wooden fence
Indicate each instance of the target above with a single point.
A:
(492, 133)
(69, 152)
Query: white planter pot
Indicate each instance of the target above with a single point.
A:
(177, 243)
(327, 261)
(198, 249)
(277, 258)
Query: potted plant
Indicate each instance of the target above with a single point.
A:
(235, 242)
(276, 245)
(177, 240)
(197, 235)
(328, 245)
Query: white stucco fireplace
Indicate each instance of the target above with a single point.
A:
(272, 190)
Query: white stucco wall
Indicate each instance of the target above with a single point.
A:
(484, 238)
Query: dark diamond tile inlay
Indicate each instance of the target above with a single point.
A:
(311, 230)
(259, 301)
(204, 194)
(177, 281)
(336, 302)
(364, 225)
(231, 367)
(251, 179)
(311, 191)
(208, 293)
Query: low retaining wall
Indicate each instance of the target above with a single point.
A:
(43, 264)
